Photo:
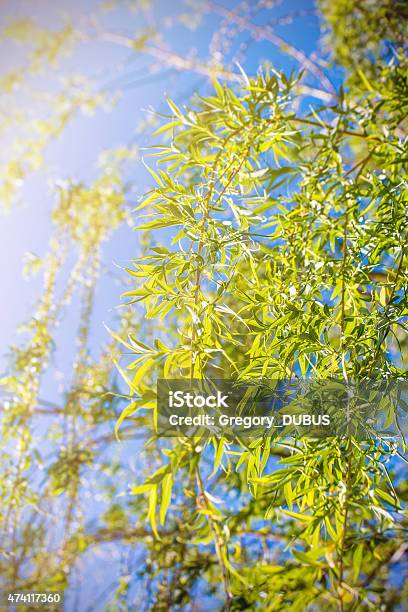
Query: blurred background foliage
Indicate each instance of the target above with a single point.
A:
(279, 178)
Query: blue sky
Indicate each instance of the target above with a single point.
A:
(114, 69)
(74, 154)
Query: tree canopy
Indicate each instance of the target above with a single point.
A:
(271, 244)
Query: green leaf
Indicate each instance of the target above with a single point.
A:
(300, 517)
(142, 371)
(151, 512)
(288, 493)
(167, 485)
(130, 409)
(357, 560)
(139, 489)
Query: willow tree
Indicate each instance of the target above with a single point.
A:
(287, 261)
(279, 251)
